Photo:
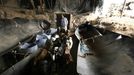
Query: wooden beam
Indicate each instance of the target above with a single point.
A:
(32, 2)
(123, 8)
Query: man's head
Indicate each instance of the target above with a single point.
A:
(69, 33)
(45, 24)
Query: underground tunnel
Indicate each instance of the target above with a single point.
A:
(33, 41)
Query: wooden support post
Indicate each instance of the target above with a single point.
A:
(123, 8)
(34, 10)
(42, 6)
(2, 2)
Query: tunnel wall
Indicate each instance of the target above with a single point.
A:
(77, 6)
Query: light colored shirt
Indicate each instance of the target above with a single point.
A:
(77, 34)
(64, 22)
(69, 43)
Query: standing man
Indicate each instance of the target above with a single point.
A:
(64, 23)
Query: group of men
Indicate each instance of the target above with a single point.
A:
(61, 41)
(65, 35)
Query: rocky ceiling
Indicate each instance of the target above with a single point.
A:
(77, 6)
